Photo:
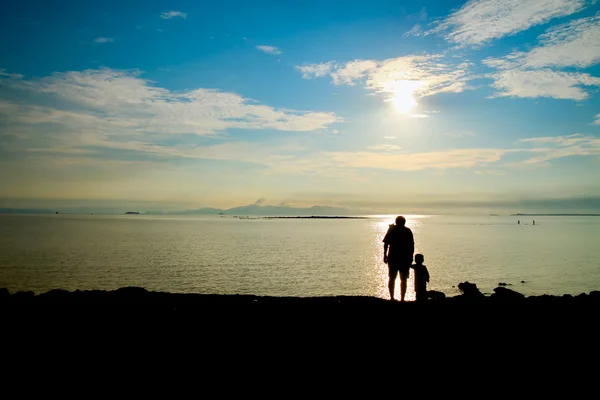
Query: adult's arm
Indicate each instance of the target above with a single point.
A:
(385, 241)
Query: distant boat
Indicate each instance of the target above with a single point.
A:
(132, 212)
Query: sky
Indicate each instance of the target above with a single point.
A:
(387, 106)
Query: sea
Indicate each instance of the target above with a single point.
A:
(300, 257)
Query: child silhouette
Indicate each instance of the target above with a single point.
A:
(421, 277)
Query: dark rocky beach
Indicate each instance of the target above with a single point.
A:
(503, 306)
(502, 328)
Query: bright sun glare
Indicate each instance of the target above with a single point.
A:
(404, 102)
(403, 91)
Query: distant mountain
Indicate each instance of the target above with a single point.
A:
(24, 211)
(205, 210)
(252, 209)
(255, 209)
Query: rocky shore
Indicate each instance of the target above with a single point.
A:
(471, 300)
(505, 323)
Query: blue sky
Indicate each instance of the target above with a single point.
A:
(423, 106)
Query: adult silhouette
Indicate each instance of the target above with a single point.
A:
(398, 249)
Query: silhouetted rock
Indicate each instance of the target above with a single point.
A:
(24, 293)
(131, 291)
(435, 295)
(4, 294)
(502, 293)
(470, 290)
(56, 296)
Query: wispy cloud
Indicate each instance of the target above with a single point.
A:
(555, 147)
(542, 83)
(597, 122)
(419, 75)
(414, 31)
(310, 71)
(3, 73)
(269, 49)
(348, 73)
(103, 40)
(173, 14)
(536, 73)
(573, 44)
(481, 21)
(460, 158)
(119, 109)
(536, 151)
(428, 75)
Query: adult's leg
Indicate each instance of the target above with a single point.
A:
(403, 282)
(392, 272)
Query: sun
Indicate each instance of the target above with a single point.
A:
(403, 92)
(404, 101)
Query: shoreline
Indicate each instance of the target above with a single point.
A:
(132, 295)
(503, 319)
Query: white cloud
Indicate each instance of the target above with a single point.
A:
(351, 71)
(269, 49)
(100, 106)
(173, 14)
(542, 83)
(103, 40)
(562, 146)
(315, 70)
(534, 73)
(426, 75)
(481, 21)
(460, 158)
(537, 151)
(597, 122)
(569, 140)
(414, 31)
(422, 75)
(12, 76)
(573, 44)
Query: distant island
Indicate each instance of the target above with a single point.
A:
(306, 217)
(132, 212)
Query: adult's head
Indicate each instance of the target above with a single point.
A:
(400, 220)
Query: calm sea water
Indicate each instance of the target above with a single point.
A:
(293, 257)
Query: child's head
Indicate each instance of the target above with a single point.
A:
(419, 258)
